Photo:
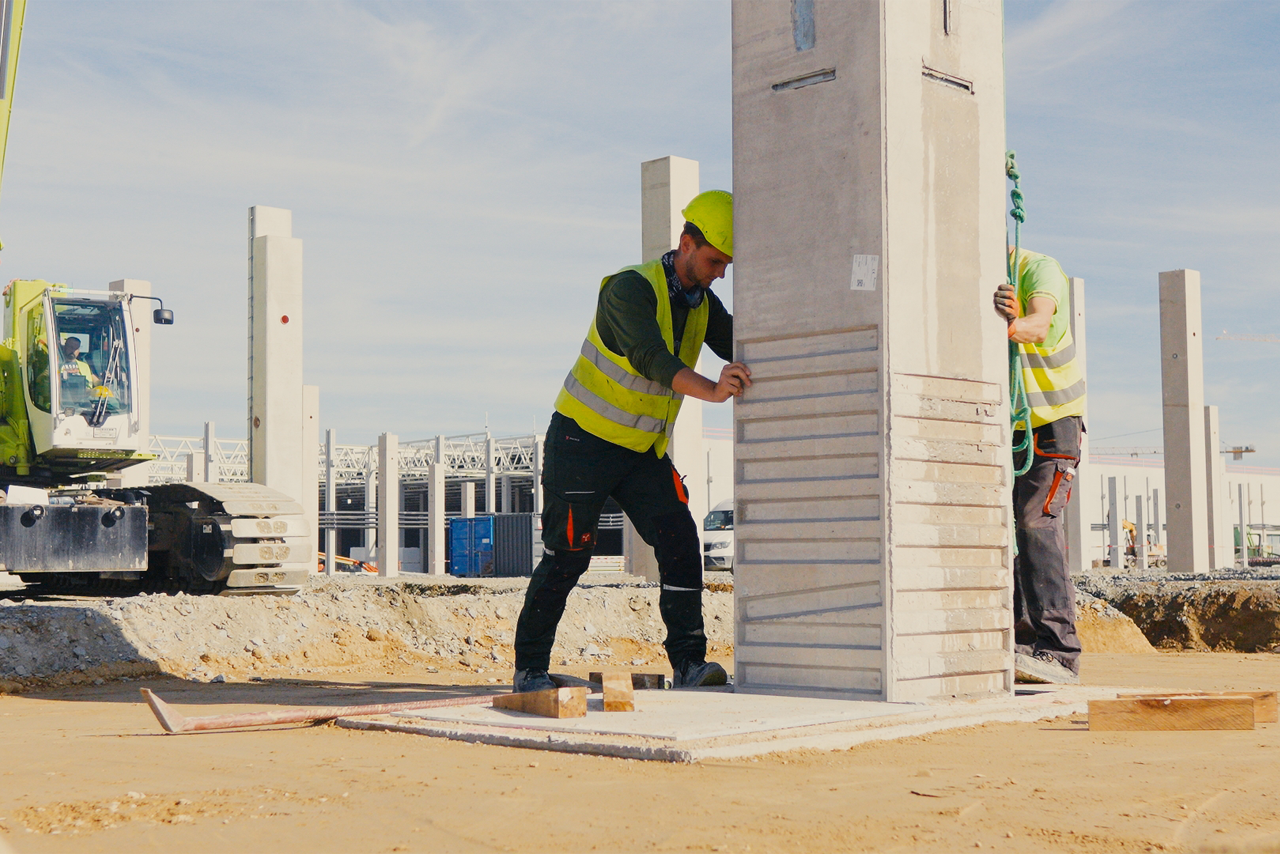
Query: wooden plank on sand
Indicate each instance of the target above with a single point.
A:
(619, 695)
(639, 681)
(552, 703)
(1171, 713)
(1266, 710)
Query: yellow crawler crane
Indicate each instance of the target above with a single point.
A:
(70, 413)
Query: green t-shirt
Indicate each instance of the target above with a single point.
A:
(1041, 276)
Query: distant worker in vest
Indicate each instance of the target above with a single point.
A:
(1038, 313)
(610, 433)
(72, 364)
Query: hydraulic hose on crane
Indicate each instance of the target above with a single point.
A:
(1019, 405)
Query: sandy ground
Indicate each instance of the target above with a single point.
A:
(85, 769)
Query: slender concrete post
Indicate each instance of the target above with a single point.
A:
(468, 499)
(436, 520)
(505, 489)
(1182, 379)
(139, 475)
(1076, 522)
(490, 477)
(371, 498)
(872, 462)
(194, 473)
(212, 461)
(1155, 517)
(275, 351)
(539, 445)
(1243, 554)
(1115, 551)
(1140, 533)
(666, 186)
(388, 505)
(1221, 547)
(330, 499)
(310, 468)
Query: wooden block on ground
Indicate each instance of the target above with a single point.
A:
(1171, 713)
(1266, 710)
(619, 695)
(639, 681)
(554, 703)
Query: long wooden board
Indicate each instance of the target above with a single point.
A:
(639, 681)
(552, 703)
(1171, 713)
(1266, 709)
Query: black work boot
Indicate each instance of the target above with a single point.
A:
(531, 680)
(698, 674)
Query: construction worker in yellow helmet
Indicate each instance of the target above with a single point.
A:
(610, 432)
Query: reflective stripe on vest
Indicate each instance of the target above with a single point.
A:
(609, 398)
(1055, 386)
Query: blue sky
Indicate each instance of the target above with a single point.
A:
(462, 175)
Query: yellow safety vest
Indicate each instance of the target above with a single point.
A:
(609, 398)
(1054, 382)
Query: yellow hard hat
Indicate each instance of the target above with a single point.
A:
(712, 213)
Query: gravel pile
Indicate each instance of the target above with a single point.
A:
(335, 623)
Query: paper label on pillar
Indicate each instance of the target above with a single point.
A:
(864, 272)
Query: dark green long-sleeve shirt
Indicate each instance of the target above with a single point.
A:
(627, 320)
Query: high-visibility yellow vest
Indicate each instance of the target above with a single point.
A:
(609, 398)
(1054, 381)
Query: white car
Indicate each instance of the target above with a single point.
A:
(717, 537)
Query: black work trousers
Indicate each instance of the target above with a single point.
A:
(1044, 599)
(580, 471)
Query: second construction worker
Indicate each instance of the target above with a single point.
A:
(1038, 313)
(611, 430)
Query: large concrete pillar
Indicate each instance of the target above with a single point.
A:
(211, 460)
(1221, 542)
(139, 475)
(666, 186)
(468, 499)
(388, 505)
(275, 351)
(330, 499)
(1182, 380)
(1077, 513)
(309, 466)
(438, 529)
(872, 459)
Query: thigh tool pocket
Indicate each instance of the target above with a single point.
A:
(1060, 489)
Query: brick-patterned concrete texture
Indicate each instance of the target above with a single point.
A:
(872, 453)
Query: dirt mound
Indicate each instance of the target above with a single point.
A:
(337, 623)
(1103, 628)
(1218, 616)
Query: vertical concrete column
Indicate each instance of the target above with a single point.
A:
(490, 477)
(505, 489)
(275, 351)
(1115, 551)
(666, 186)
(539, 445)
(872, 460)
(309, 465)
(468, 499)
(371, 497)
(139, 475)
(1221, 543)
(1182, 381)
(1156, 525)
(330, 498)
(194, 472)
(212, 459)
(388, 505)
(1077, 521)
(435, 519)
(1242, 553)
(1140, 532)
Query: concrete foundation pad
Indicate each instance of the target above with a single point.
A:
(688, 726)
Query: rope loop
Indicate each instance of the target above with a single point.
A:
(1019, 405)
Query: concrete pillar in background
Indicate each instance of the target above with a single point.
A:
(1221, 543)
(872, 455)
(309, 464)
(468, 499)
(1140, 532)
(1077, 523)
(211, 459)
(330, 498)
(139, 475)
(666, 186)
(437, 528)
(388, 505)
(490, 477)
(371, 498)
(1182, 381)
(539, 445)
(505, 490)
(275, 351)
(1242, 559)
(1115, 545)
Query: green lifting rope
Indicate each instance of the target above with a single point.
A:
(1019, 406)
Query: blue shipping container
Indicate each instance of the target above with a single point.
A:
(471, 547)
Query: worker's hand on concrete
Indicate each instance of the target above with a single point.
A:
(1006, 302)
(735, 378)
